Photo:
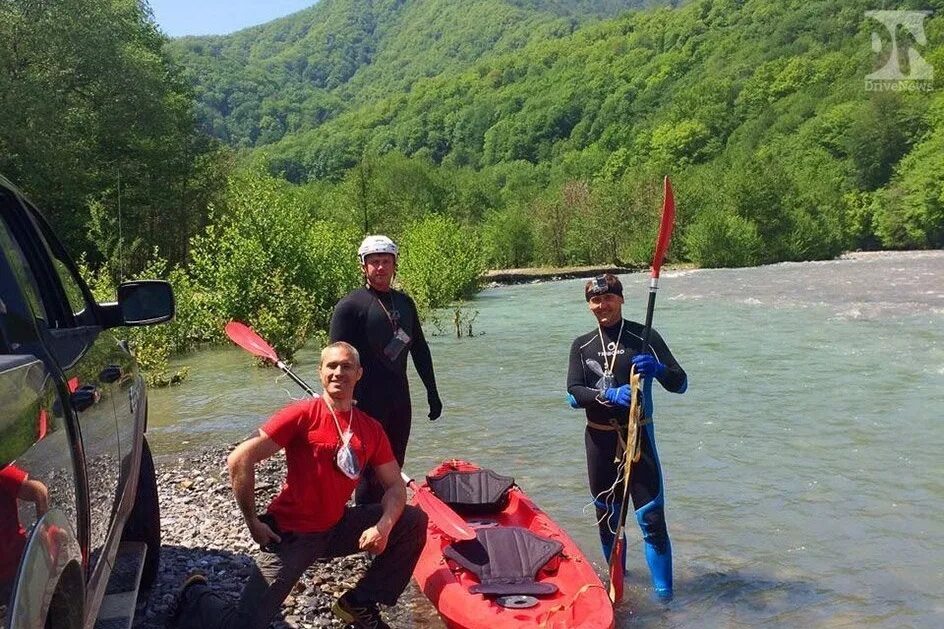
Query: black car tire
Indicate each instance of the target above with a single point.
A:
(144, 523)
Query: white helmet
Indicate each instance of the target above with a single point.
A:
(376, 244)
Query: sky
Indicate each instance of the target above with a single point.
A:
(219, 17)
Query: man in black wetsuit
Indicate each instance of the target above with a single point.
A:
(383, 325)
(597, 381)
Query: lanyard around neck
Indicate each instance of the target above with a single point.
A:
(610, 363)
(337, 424)
(394, 323)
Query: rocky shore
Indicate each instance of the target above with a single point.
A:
(202, 528)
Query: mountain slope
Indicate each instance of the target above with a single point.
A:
(263, 83)
(759, 108)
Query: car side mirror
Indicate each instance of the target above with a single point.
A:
(145, 302)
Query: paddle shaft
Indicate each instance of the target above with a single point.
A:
(662, 244)
(291, 374)
(616, 555)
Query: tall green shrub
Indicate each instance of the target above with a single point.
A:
(911, 210)
(508, 239)
(440, 261)
(267, 263)
(721, 239)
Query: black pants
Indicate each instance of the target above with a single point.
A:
(602, 469)
(396, 419)
(277, 572)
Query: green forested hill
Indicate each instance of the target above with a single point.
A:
(681, 87)
(759, 109)
(260, 84)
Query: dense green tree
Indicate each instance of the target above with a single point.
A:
(911, 210)
(93, 112)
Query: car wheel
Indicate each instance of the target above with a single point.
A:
(144, 523)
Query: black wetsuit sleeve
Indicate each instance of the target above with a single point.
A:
(674, 379)
(577, 385)
(345, 323)
(422, 358)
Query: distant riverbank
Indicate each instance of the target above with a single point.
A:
(532, 275)
(546, 274)
(500, 277)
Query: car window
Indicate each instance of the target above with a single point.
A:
(73, 291)
(17, 261)
(77, 309)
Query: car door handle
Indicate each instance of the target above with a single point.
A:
(84, 397)
(111, 373)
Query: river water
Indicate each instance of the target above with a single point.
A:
(803, 467)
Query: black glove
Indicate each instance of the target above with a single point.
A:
(435, 406)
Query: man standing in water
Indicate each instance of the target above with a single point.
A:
(383, 325)
(597, 381)
(327, 443)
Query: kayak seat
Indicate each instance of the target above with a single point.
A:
(475, 492)
(505, 560)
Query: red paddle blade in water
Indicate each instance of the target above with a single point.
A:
(242, 335)
(439, 512)
(616, 570)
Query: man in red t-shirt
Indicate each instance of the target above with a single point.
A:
(327, 443)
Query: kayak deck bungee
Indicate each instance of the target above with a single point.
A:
(577, 599)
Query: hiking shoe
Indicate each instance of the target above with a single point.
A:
(359, 616)
(177, 607)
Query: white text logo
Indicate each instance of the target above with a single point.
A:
(904, 68)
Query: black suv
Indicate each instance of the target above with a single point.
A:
(79, 515)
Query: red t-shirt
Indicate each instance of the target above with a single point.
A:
(12, 534)
(315, 490)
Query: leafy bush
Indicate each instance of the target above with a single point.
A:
(722, 239)
(508, 239)
(440, 262)
(267, 263)
(910, 212)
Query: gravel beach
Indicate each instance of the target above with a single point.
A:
(202, 528)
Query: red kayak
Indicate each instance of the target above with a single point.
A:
(522, 570)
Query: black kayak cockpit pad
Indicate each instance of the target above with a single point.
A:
(506, 560)
(472, 492)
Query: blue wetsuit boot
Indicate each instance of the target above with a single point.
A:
(657, 548)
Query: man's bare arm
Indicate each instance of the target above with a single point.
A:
(242, 473)
(375, 538)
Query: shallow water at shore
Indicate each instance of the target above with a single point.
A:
(802, 468)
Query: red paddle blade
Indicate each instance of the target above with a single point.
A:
(616, 571)
(242, 335)
(442, 516)
(665, 227)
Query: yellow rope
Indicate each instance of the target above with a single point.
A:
(627, 448)
(636, 420)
